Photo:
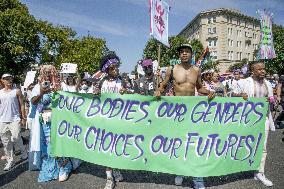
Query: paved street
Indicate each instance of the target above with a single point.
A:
(92, 176)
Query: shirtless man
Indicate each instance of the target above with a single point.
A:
(186, 78)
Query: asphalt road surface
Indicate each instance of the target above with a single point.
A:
(93, 176)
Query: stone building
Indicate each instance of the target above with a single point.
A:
(230, 35)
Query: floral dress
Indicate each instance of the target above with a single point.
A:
(51, 167)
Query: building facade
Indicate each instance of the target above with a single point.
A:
(230, 35)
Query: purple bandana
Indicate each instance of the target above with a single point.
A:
(108, 63)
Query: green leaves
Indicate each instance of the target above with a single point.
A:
(25, 40)
(86, 52)
(18, 38)
(276, 65)
(151, 49)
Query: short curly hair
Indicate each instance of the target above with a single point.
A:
(106, 58)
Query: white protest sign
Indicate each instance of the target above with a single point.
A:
(29, 78)
(140, 70)
(86, 75)
(155, 66)
(68, 68)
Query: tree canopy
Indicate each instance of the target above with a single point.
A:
(19, 40)
(151, 49)
(25, 40)
(276, 65)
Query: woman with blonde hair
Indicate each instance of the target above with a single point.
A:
(50, 167)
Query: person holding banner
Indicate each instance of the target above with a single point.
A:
(206, 81)
(256, 86)
(50, 167)
(111, 83)
(147, 84)
(185, 78)
(217, 86)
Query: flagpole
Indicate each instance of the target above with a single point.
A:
(158, 69)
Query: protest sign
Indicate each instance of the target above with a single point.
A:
(30, 77)
(68, 68)
(180, 135)
(266, 50)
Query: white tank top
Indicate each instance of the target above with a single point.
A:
(111, 86)
(9, 106)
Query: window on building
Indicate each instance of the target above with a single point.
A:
(229, 19)
(229, 42)
(212, 42)
(214, 30)
(211, 19)
(239, 33)
(228, 31)
(239, 55)
(215, 42)
(230, 55)
(232, 43)
(214, 55)
(238, 22)
(209, 30)
(248, 57)
(209, 43)
(239, 44)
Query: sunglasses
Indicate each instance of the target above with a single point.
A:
(7, 78)
(148, 67)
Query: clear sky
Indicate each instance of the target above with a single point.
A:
(124, 24)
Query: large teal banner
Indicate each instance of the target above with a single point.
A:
(188, 136)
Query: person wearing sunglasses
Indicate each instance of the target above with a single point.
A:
(147, 84)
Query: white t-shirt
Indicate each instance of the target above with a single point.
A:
(111, 86)
(9, 106)
(89, 90)
(35, 91)
(68, 88)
